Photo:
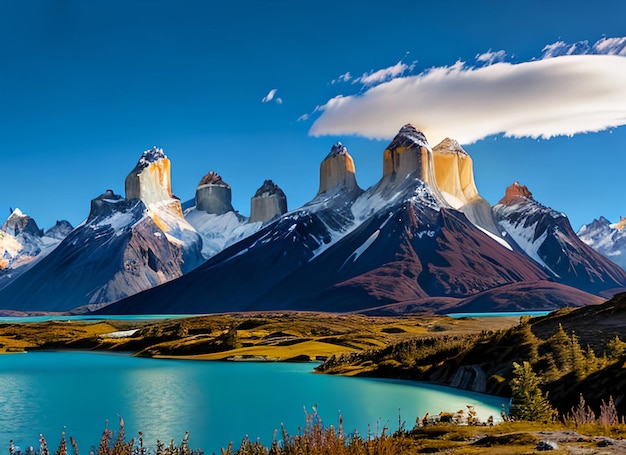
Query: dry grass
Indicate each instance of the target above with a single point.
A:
(273, 336)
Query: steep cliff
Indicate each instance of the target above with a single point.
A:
(454, 172)
(268, 202)
(213, 195)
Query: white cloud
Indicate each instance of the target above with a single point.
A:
(610, 46)
(382, 75)
(564, 95)
(303, 118)
(271, 96)
(489, 58)
(561, 48)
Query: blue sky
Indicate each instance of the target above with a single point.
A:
(87, 86)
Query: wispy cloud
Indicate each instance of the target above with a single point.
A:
(557, 95)
(489, 58)
(604, 46)
(345, 77)
(271, 96)
(382, 75)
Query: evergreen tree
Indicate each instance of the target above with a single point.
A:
(615, 349)
(527, 401)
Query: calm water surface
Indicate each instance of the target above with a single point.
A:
(216, 401)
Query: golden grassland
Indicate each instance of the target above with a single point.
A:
(268, 336)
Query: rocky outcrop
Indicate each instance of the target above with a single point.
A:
(515, 191)
(18, 223)
(150, 179)
(60, 230)
(406, 158)
(337, 172)
(454, 172)
(409, 153)
(213, 195)
(268, 202)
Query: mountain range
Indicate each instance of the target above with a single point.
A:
(421, 239)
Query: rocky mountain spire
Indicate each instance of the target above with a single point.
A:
(454, 172)
(18, 223)
(213, 195)
(514, 191)
(337, 171)
(150, 179)
(409, 153)
(268, 202)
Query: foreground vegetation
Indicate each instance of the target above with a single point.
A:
(461, 434)
(572, 353)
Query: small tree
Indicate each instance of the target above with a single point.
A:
(527, 401)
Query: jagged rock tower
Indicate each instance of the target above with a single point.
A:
(454, 172)
(150, 182)
(408, 156)
(337, 172)
(213, 195)
(268, 202)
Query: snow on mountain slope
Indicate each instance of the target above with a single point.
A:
(608, 239)
(548, 238)
(22, 244)
(397, 241)
(219, 231)
(150, 182)
(125, 245)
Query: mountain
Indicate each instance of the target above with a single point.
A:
(548, 238)
(251, 267)
(606, 238)
(22, 244)
(212, 215)
(125, 245)
(268, 203)
(454, 172)
(349, 250)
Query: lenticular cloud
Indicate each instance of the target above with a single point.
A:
(563, 95)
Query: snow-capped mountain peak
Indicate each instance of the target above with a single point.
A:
(151, 156)
(608, 239)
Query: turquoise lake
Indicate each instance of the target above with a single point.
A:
(217, 402)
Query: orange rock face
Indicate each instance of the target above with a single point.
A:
(409, 153)
(337, 170)
(514, 191)
(454, 172)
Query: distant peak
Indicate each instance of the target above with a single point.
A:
(449, 146)
(16, 213)
(151, 156)
(337, 149)
(18, 223)
(268, 188)
(514, 191)
(213, 178)
(621, 224)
